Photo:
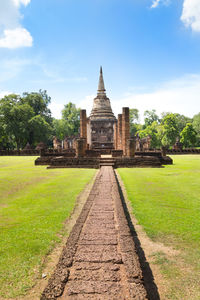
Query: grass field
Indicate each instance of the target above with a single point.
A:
(34, 203)
(166, 202)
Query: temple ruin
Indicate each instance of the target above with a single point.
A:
(102, 134)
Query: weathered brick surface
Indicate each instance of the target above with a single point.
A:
(83, 124)
(125, 129)
(130, 147)
(115, 135)
(102, 262)
(119, 130)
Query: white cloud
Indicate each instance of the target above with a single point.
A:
(56, 109)
(12, 34)
(15, 38)
(191, 14)
(155, 3)
(24, 2)
(4, 93)
(87, 103)
(178, 96)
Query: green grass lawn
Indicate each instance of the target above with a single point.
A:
(166, 202)
(34, 203)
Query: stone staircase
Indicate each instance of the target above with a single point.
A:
(107, 161)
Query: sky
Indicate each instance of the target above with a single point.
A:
(149, 51)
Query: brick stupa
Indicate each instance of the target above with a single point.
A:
(101, 120)
(103, 140)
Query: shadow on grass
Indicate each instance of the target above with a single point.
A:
(150, 286)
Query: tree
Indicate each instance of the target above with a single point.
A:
(188, 136)
(181, 120)
(170, 130)
(134, 120)
(134, 115)
(15, 117)
(39, 103)
(71, 115)
(39, 130)
(196, 125)
(4, 138)
(25, 118)
(150, 117)
(60, 128)
(153, 131)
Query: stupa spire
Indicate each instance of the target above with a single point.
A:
(101, 86)
(101, 106)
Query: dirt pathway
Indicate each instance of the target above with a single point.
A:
(99, 260)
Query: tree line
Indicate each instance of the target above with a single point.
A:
(27, 118)
(168, 129)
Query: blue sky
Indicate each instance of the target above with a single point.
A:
(149, 50)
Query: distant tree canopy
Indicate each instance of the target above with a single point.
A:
(70, 122)
(134, 121)
(27, 119)
(150, 117)
(188, 135)
(166, 130)
(196, 125)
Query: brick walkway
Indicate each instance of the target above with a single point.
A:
(104, 264)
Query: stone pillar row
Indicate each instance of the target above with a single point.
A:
(122, 139)
(122, 136)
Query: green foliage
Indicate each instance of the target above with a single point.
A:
(196, 125)
(150, 117)
(170, 130)
(153, 131)
(182, 121)
(5, 140)
(134, 115)
(188, 136)
(69, 124)
(61, 129)
(164, 131)
(34, 203)
(25, 119)
(39, 129)
(15, 117)
(134, 120)
(71, 114)
(39, 103)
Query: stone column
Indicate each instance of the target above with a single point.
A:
(131, 145)
(65, 144)
(80, 147)
(83, 124)
(119, 137)
(115, 135)
(125, 129)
